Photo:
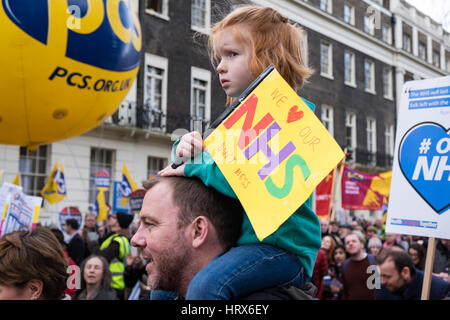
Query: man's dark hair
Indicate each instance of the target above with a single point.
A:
(400, 257)
(194, 199)
(73, 223)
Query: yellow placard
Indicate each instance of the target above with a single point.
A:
(273, 151)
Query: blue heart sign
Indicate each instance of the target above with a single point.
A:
(424, 161)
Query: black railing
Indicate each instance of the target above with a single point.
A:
(150, 117)
(366, 157)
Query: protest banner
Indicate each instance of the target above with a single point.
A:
(419, 200)
(273, 151)
(364, 191)
(19, 211)
(136, 200)
(324, 195)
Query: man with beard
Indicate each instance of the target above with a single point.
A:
(184, 225)
(401, 281)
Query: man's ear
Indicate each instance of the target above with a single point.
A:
(199, 231)
(406, 274)
(34, 289)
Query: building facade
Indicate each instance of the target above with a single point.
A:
(362, 52)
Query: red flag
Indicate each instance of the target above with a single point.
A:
(324, 196)
(358, 192)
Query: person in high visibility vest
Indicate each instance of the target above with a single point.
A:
(116, 248)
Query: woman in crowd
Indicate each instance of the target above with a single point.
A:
(332, 282)
(417, 254)
(95, 280)
(374, 246)
(32, 266)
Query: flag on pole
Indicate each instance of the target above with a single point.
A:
(324, 195)
(55, 188)
(364, 191)
(100, 204)
(16, 180)
(128, 185)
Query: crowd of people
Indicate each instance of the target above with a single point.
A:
(193, 239)
(349, 249)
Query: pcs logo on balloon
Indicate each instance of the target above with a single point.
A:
(105, 34)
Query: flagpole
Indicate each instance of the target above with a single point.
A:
(332, 194)
(341, 170)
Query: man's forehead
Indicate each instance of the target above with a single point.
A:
(388, 265)
(158, 200)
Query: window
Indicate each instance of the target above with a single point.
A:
(436, 58)
(326, 5)
(369, 76)
(406, 42)
(155, 92)
(326, 60)
(389, 140)
(387, 82)
(327, 118)
(33, 169)
(369, 25)
(349, 14)
(200, 98)
(350, 133)
(101, 159)
(159, 8)
(349, 68)
(200, 15)
(422, 51)
(386, 34)
(448, 65)
(371, 140)
(154, 165)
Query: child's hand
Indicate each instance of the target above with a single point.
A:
(168, 171)
(191, 145)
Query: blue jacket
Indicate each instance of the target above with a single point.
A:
(439, 289)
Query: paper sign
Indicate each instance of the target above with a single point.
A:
(419, 203)
(273, 151)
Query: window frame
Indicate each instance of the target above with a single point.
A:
(352, 70)
(327, 118)
(36, 177)
(351, 20)
(329, 72)
(202, 75)
(371, 89)
(371, 132)
(164, 14)
(161, 63)
(387, 70)
(350, 122)
(207, 27)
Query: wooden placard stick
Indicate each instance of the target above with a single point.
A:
(427, 275)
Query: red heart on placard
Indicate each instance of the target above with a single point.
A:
(294, 115)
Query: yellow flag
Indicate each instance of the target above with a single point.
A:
(273, 151)
(128, 185)
(101, 204)
(16, 180)
(55, 188)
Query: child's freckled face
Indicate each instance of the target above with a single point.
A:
(233, 62)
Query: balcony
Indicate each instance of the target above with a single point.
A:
(150, 118)
(368, 158)
(129, 114)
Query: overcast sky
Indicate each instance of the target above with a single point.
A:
(439, 10)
